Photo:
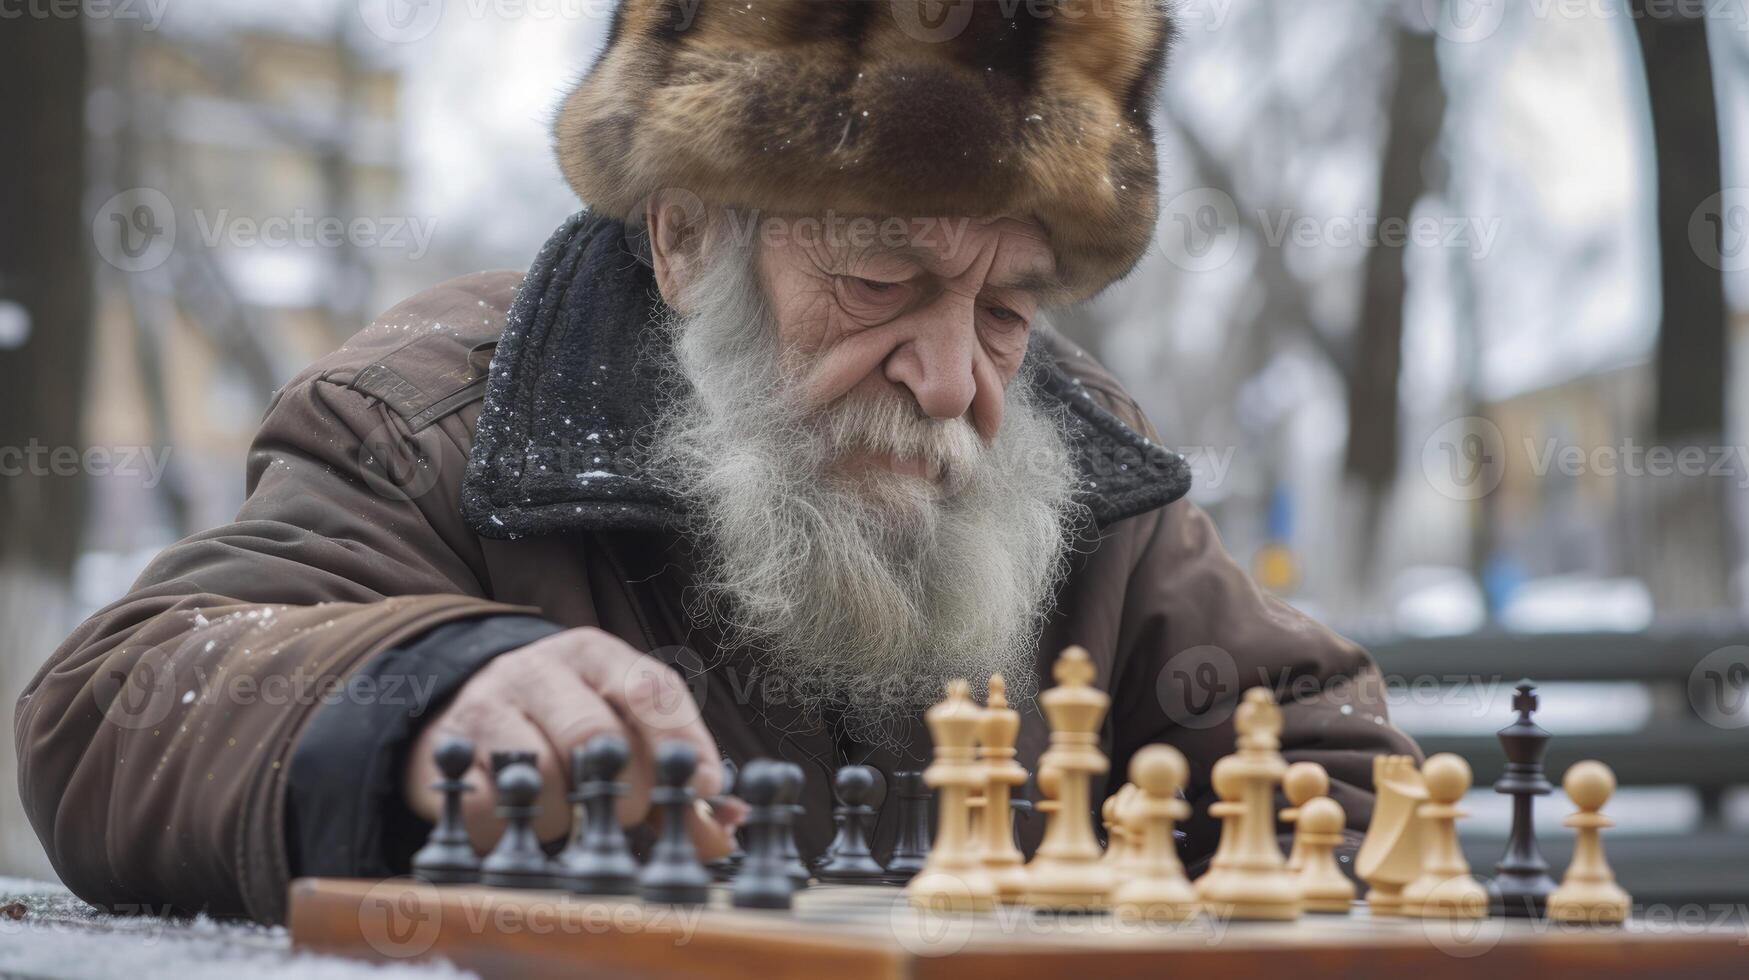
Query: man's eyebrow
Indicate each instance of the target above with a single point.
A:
(1040, 281)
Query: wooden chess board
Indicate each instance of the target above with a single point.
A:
(849, 933)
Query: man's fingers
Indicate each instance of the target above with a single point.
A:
(650, 697)
(571, 713)
(503, 728)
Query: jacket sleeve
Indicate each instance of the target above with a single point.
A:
(153, 745)
(1198, 632)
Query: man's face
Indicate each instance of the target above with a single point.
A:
(938, 314)
(882, 504)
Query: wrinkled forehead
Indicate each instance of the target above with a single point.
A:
(1015, 250)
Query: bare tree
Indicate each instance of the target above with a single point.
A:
(1686, 559)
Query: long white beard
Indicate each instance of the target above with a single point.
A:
(860, 595)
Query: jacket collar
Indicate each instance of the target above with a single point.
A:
(575, 381)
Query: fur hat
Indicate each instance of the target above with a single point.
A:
(914, 108)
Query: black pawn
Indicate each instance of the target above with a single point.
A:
(597, 860)
(789, 794)
(674, 875)
(849, 860)
(764, 881)
(725, 867)
(448, 857)
(911, 848)
(517, 861)
(1522, 885)
(504, 757)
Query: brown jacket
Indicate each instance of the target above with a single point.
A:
(154, 745)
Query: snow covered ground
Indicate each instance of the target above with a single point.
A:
(46, 932)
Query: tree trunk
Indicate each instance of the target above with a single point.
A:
(45, 289)
(1687, 560)
(44, 270)
(1416, 118)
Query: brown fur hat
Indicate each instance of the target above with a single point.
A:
(913, 108)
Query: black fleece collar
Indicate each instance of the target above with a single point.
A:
(575, 382)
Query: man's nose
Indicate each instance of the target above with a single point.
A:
(934, 360)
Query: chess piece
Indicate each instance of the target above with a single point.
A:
(1253, 881)
(597, 860)
(1227, 809)
(789, 794)
(953, 879)
(849, 860)
(1323, 886)
(1066, 874)
(517, 861)
(975, 820)
(725, 867)
(997, 730)
(1390, 855)
(674, 875)
(1154, 885)
(448, 857)
(1304, 781)
(911, 849)
(1444, 889)
(1588, 892)
(1522, 884)
(499, 758)
(764, 881)
(1116, 832)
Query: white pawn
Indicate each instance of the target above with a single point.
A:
(1323, 886)
(1303, 781)
(1589, 893)
(1155, 887)
(1444, 889)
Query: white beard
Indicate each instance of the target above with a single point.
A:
(862, 595)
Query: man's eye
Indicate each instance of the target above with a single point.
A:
(873, 293)
(1004, 315)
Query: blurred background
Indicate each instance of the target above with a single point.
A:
(1446, 306)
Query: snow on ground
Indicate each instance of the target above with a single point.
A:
(46, 932)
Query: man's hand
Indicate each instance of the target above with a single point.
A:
(551, 696)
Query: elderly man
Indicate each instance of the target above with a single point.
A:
(770, 441)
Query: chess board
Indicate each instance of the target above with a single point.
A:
(854, 932)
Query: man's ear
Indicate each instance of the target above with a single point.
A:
(677, 223)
